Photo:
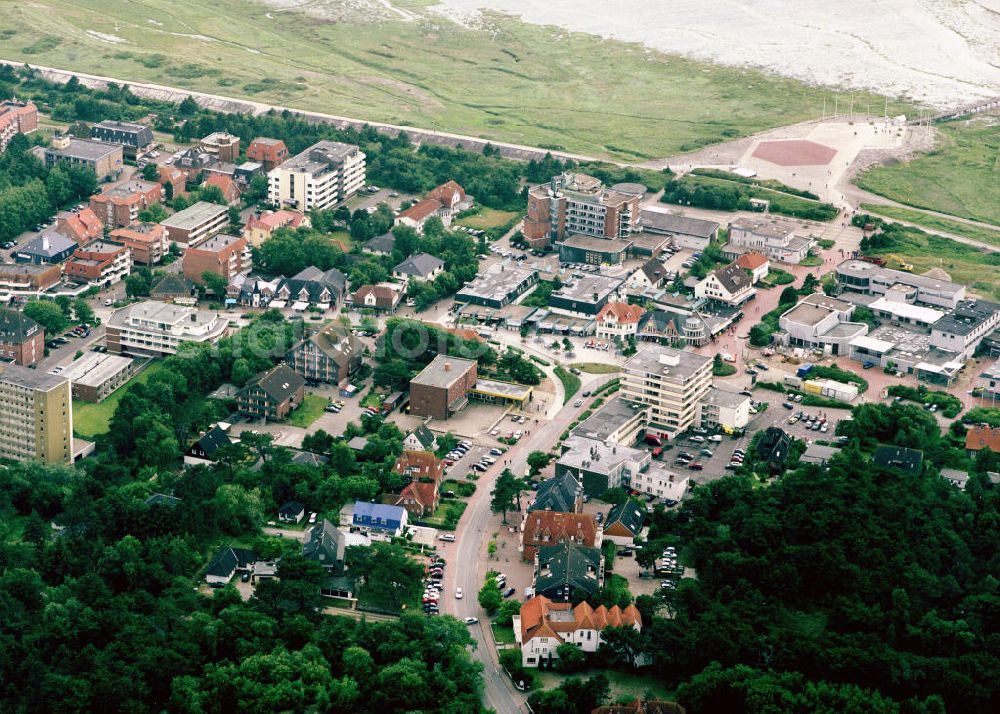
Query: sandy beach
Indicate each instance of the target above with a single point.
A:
(943, 53)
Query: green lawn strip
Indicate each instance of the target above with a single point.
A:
(958, 177)
(90, 420)
(571, 383)
(503, 634)
(596, 367)
(946, 225)
(309, 411)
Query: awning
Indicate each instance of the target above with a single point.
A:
(230, 301)
(277, 303)
(324, 306)
(299, 306)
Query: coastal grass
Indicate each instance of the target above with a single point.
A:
(308, 411)
(503, 80)
(934, 222)
(91, 420)
(961, 176)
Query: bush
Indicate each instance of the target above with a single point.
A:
(839, 375)
(949, 404)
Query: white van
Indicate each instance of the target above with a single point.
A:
(447, 537)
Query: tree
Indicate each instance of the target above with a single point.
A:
(570, 658)
(154, 213)
(624, 645)
(788, 296)
(188, 106)
(538, 460)
(214, 283)
(83, 311)
(151, 172)
(809, 284)
(47, 314)
(505, 490)
(490, 596)
(615, 495)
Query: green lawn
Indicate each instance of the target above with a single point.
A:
(487, 218)
(309, 411)
(509, 80)
(961, 176)
(571, 383)
(503, 634)
(596, 367)
(622, 683)
(90, 420)
(983, 235)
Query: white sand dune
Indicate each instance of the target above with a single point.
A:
(941, 52)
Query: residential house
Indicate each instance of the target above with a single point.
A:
(565, 569)
(818, 454)
(420, 439)
(146, 241)
(272, 394)
(156, 329)
(381, 518)
(562, 494)
(419, 498)
(624, 522)
(223, 255)
(661, 482)
(325, 544)
(730, 285)
(119, 206)
(544, 528)
(452, 198)
(420, 267)
(312, 286)
(419, 466)
(173, 181)
(417, 215)
(898, 457)
(955, 477)
(291, 512)
(206, 446)
(47, 247)
(260, 228)
(82, 226)
(254, 290)
(384, 297)
(773, 448)
(982, 436)
(270, 153)
(134, 139)
(380, 245)
(543, 624)
(227, 186)
(651, 276)
(162, 499)
(22, 340)
(330, 355)
(227, 562)
(756, 263)
(725, 410)
(619, 321)
(174, 288)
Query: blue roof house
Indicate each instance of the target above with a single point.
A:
(380, 517)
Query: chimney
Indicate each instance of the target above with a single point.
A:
(447, 366)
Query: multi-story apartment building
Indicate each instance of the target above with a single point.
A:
(156, 329)
(224, 255)
(325, 174)
(660, 482)
(16, 118)
(222, 145)
(774, 239)
(105, 160)
(36, 416)
(119, 206)
(964, 328)
(672, 382)
(100, 263)
(147, 241)
(196, 223)
(21, 338)
(330, 355)
(28, 279)
(269, 153)
(578, 204)
(272, 394)
(133, 138)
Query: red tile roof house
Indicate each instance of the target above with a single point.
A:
(82, 226)
(420, 499)
(416, 216)
(542, 528)
(618, 320)
(418, 465)
(259, 228)
(173, 181)
(982, 436)
(542, 625)
(21, 338)
(756, 263)
(230, 191)
(119, 206)
(452, 198)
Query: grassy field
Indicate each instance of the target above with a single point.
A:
(309, 411)
(487, 218)
(910, 215)
(506, 80)
(596, 367)
(965, 264)
(961, 176)
(90, 420)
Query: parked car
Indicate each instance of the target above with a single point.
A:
(508, 592)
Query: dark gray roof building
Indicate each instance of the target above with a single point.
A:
(419, 265)
(630, 514)
(325, 544)
(899, 457)
(561, 494)
(561, 570)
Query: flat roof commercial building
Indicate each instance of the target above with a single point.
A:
(156, 329)
(585, 296)
(725, 410)
(96, 375)
(442, 387)
(22, 279)
(869, 279)
(105, 160)
(323, 175)
(820, 322)
(196, 223)
(36, 416)
(964, 328)
(499, 285)
(600, 465)
(579, 248)
(775, 239)
(691, 233)
(673, 384)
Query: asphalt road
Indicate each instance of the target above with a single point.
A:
(466, 557)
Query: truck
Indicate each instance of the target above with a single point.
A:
(803, 370)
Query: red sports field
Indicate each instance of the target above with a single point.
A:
(794, 152)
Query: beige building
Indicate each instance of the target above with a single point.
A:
(96, 375)
(155, 329)
(196, 223)
(673, 383)
(323, 175)
(36, 416)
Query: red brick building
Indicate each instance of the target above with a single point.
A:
(119, 206)
(173, 181)
(16, 118)
(21, 338)
(82, 226)
(442, 387)
(419, 498)
(147, 241)
(419, 465)
(99, 263)
(578, 204)
(543, 528)
(223, 146)
(224, 255)
(269, 152)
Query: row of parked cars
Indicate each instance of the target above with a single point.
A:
(491, 458)
(432, 586)
(736, 460)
